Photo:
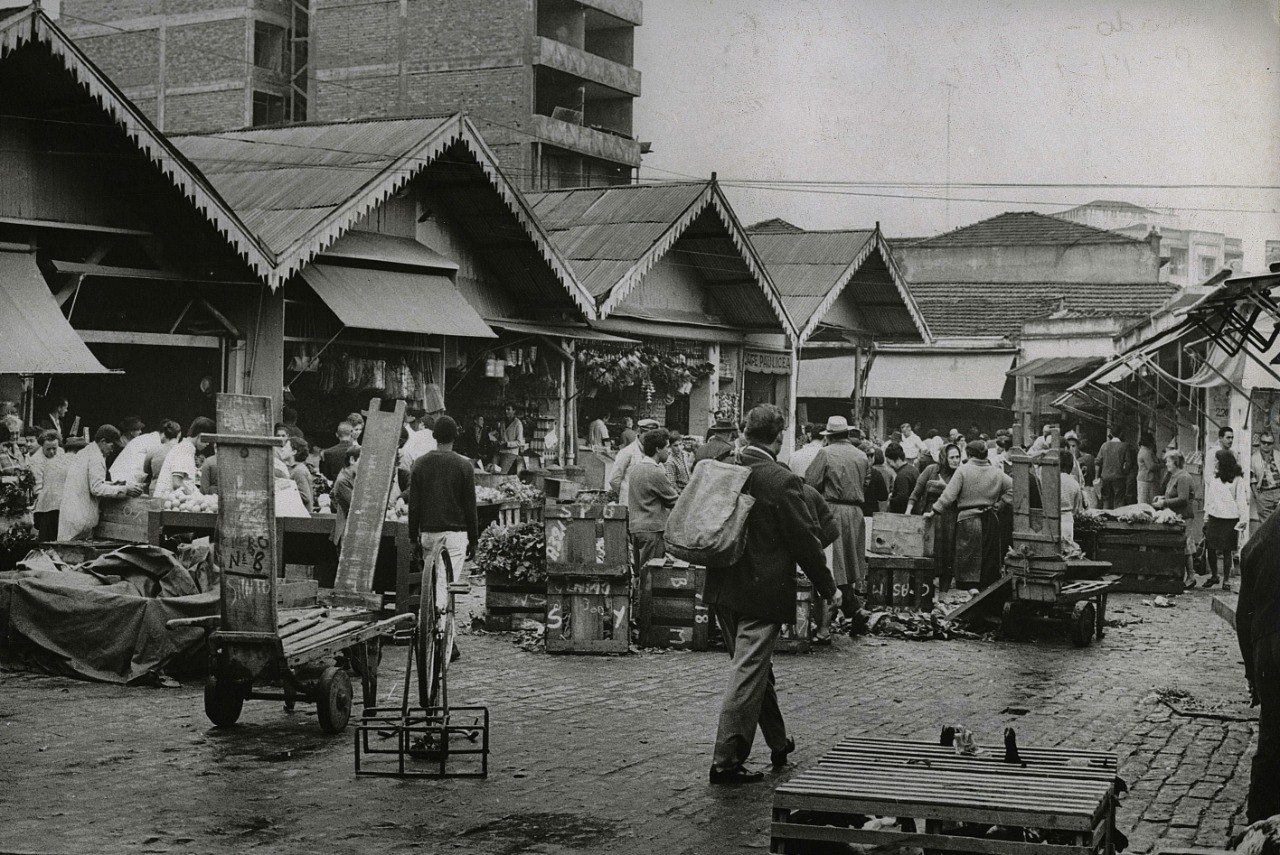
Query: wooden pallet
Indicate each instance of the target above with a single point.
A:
(1069, 795)
(670, 612)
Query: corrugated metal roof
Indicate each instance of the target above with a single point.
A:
(1024, 228)
(614, 235)
(1001, 308)
(1056, 366)
(31, 25)
(303, 186)
(395, 301)
(37, 338)
(812, 269)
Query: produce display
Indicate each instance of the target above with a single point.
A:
(399, 511)
(515, 551)
(511, 491)
(192, 502)
(1139, 513)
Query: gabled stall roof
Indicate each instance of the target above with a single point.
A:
(30, 26)
(613, 236)
(300, 187)
(813, 268)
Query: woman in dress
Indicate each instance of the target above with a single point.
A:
(1226, 514)
(929, 488)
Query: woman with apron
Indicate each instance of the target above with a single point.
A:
(976, 491)
(929, 488)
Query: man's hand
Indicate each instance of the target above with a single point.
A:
(928, 514)
(133, 491)
(1157, 502)
(1242, 525)
(838, 599)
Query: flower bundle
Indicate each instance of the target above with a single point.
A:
(647, 367)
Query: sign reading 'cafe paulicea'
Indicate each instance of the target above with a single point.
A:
(760, 362)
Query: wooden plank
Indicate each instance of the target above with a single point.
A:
(153, 339)
(377, 466)
(297, 627)
(944, 842)
(902, 534)
(987, 603)
(1032, 790)
(836, 800)
(1029, 753)
(245, 532)
(75, 227)
(587, 615)
(108, 271)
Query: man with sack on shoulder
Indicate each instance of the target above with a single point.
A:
(756, 595)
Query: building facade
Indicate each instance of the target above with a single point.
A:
(551, 83)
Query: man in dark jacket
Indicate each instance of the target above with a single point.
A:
(1258, 628)
(334, 458)
(719, 445)
(753, 598)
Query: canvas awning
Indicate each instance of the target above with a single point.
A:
(833, 377)
(1056, 366)
(939, 375)
(35, 338)
(396, 301)
(559, 330)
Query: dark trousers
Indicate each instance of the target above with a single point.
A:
(46, 525)
(751, 700)
(1264, 783)
(1113, 493)
(647, 545)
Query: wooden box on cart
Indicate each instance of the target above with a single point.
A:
(588, 579)
(901, 534)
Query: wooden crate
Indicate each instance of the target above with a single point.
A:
(900, 582)
(588, 615)
(797, 637)
(125, 519)
(587, 541)
(512, 605)
(1148, 558)
(670, 611)
(902, 534)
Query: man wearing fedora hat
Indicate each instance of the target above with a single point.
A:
(839, 472)
(719, 446)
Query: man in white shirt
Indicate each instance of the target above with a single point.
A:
(130, 464)
(180, 472)
(627, 458)
(935, 444)
(1226, 438)
(803, 456)
(49, 467)
(86, 483)
(1042, 442)
(911, 443)
(1264, 470)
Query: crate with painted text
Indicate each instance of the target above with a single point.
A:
(670, 611)
(587, 541)
(901, 534)
(900, 582)
(588, 615)
(797, 637)
(511, 604)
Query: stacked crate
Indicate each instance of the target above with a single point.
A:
(588, 579)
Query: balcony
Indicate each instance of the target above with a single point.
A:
(588, 141)
(631, 11)
(586, 66)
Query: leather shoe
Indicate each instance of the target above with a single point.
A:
(779, 756)
(736, 775)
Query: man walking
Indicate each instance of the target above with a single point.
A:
(1258, 630)
(755, 596)
(1113, 470)
(650, 497)
(839, 473)
(442, 512)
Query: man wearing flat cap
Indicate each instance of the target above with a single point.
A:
(839, 472)
(628, 457)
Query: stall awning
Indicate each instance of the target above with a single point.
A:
(560, 330)
(395, 301)
(34, 336)
(833, 377)
(941, 375)
(1056, 366)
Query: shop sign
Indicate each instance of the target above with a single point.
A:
(759, 362)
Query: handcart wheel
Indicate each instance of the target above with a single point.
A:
(1084, 618)
(333, 700)
(223, 701)
(426, 638)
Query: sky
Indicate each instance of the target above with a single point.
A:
(1145, 92)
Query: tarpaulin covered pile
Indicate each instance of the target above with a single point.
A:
(103, 620)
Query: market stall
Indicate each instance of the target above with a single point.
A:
(1146, 547)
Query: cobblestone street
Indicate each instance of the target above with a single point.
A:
(610, 754)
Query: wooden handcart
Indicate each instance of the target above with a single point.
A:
(310, 653)
(1044, 583)
(1059, 801)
